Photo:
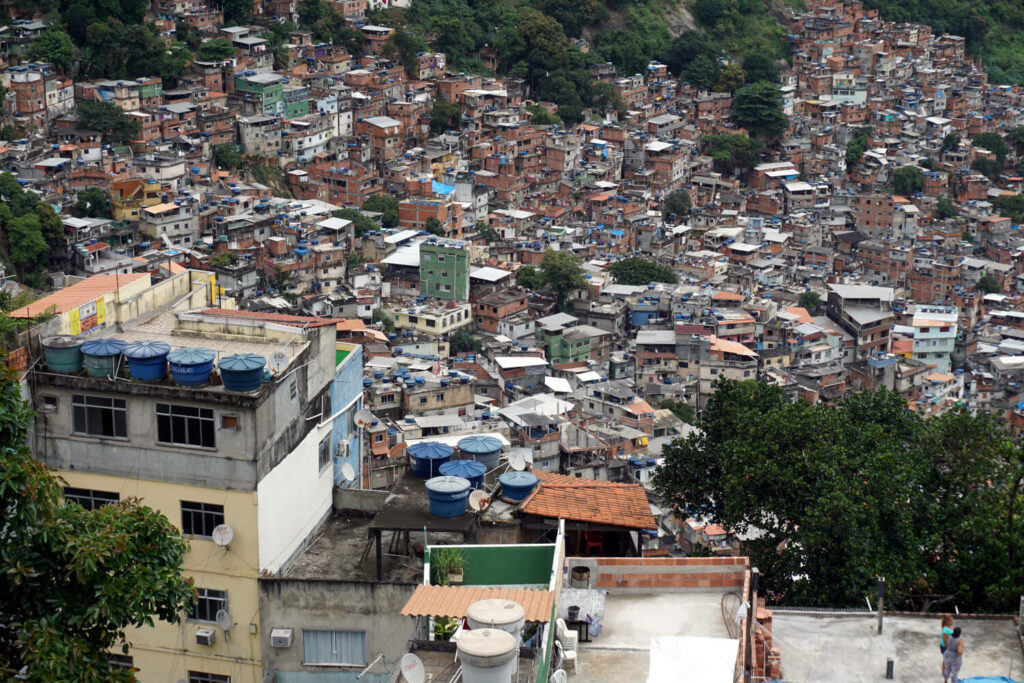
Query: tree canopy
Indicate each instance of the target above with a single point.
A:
(988, 284)
(55, 47)
(72, 580)
(677, 203)
(93, 203)
(384, 204)
(444, 116)
(822, 488)
(109, 120)
(758, 108)
(733, 154)
(907, 180)
(994, 143)
(463, 341)
(638, 271)
(216, 50)
(227, 156)
(562, 273)
(811, 302)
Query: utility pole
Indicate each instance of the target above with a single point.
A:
(752, 624)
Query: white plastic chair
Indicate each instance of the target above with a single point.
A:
(569, 637)
(566, 658)
(559, 676)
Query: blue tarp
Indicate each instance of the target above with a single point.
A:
(441, 188)
(988, 679)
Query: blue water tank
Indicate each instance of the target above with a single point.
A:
(427, 457)
(191, 366)
(516, 486)
(485, 449)
(242, 371)
(467, 469)
(448, 496)
(102, 356)
(147, 360)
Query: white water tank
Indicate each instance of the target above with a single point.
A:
(505, 615)
(487, 655)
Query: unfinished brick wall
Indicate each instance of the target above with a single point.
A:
(682, 574)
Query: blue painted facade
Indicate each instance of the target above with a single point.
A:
(347, 388)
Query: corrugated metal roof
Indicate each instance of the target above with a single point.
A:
(454, 601)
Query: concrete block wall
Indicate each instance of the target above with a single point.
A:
(665, 574)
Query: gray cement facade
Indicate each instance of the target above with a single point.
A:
(823, 649)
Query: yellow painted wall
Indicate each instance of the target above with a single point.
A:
(167, 652)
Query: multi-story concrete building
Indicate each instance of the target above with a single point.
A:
(444, 269)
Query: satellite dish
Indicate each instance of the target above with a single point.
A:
(517, 462)
(412, 668)
(363, 417)
(278, 361)
(348, 471)
(223, 619)
(222, 535)
(479, 500)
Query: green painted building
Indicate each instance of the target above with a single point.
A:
(296, 101)
(444, 269)
(268, 87)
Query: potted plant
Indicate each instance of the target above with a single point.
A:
(447, 566)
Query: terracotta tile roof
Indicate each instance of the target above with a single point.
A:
(726, 296)
(96, 246)
(640, 407)
(454, 601)
(801, 314)
(77, 294)
(587, 500)
(282, 318)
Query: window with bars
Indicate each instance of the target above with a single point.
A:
(324, 455)
(90, 499)
(200, 519)
(334, 647)
(203, 677)
(185, 426)
(99, 416)
(208, 602)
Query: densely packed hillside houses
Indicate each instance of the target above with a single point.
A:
(399, 340)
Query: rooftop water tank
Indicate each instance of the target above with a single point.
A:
(516, 486)
(191, 366)
(63, 353)
(485, 449)
(448, 496)
(487, 655)
(427, 457)
(102, 356)
(147, 360)
(242, 371)
(467, 469)
(504, 615)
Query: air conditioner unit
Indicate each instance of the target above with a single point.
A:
(281, 637)
(205, 636)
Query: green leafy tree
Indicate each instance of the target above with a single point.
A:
(855, 149)
(994, 143)
(638, 271)
(731, 79)
(434, 227)
(107, 119)
(945, 208)
(703, 72)
(26, 245)
(73, 580)
(311, 11)
(486, 232)
(681, 409)
(574, 15)
(227, 156)
(760, 67)
(386, 205)
(686, 47)
(93, 203)
(1011, 206)
(529, 278)
(463, 341)
(988, 284)
(562, 273)
(542, 117)
(236, 11)
(709, 12)
(444, 116)
(811, 302)
(733, 153)
(216, 50)
(605, 96)
(950, 142)
(988, 167)
(758, 108)
(55, 47)
(677, 203)
(386, 321)
(907, 180)
(404, 47)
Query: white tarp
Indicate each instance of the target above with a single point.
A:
(686, 659)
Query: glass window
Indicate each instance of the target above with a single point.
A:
(324, 455)
(185, 425)
(90, 499)
(99, 416)
(200, 519)
(202, 677)
(207, 604)
(334, 647)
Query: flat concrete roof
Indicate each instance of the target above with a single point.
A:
(622, 652)
(817, 648)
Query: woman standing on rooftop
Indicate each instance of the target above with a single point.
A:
(953, 657)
